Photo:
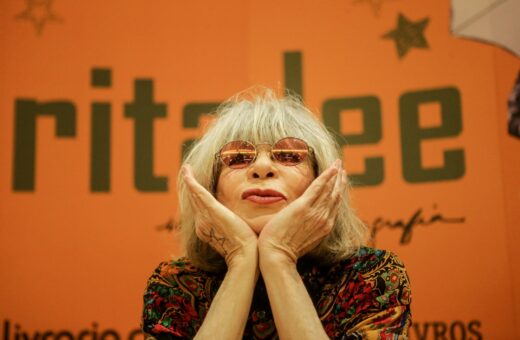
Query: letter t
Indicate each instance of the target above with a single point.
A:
(144, 111)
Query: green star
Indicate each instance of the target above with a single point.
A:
(39, 13)
(408, 34)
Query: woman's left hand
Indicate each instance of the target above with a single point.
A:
(300, 226)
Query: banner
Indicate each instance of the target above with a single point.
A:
(98, 100)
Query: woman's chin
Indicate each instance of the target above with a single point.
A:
(257, 223)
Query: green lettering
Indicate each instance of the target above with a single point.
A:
(412, 135)
(100, 148)
(143, 110)
(191, 114)
(292, 62)
(371, 134)
(26, 112)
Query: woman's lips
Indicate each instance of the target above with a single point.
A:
(263, 196)
(264, 199)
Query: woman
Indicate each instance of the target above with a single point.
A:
(273, 246)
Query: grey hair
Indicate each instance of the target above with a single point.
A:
(259, 116)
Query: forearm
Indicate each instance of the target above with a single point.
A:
(294, 313)
(227, 315)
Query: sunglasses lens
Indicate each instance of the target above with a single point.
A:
(290, 151)
(238, 154)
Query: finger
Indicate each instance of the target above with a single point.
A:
(341, 189)
(337, 190)
(339, 176)
(206, 207)
(334, 189)
(344, 184)
(319, 184)
(189, 178)
(337, 197)
(325, 196)
(331, 190)
(195, 195)
(198, 191)
(342, 192)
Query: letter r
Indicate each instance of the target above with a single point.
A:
(26, 112)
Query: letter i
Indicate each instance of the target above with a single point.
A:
(6, 330)
(94, 332)
(17, 332)
(100, 134)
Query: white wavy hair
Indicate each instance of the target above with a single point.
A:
(259, 116)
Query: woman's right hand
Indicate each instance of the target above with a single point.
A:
(218, 226)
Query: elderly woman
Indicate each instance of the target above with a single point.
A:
(274, 249)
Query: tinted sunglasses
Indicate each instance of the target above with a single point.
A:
(289, 151)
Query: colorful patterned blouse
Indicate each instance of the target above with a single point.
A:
(364, 297)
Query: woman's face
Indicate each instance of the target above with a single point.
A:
(256, 193)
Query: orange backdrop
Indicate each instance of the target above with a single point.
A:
(98, 97)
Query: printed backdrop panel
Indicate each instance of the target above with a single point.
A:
(99, 99)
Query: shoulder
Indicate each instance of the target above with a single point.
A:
(381, 273)
(374, 293)
(166, 276)
(180, 275)
(174, 268)
(379, 267)
(368, 261)
(169, 304)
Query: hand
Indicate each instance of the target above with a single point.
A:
(300, 226)
(216, 225)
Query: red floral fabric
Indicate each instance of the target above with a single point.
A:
(366, 296)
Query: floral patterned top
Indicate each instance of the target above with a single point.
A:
(366, 296)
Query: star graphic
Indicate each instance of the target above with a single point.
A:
(408, 34)
(39, 13)
(375, 4)
(220, 240)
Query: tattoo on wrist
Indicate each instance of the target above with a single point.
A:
(219, 240)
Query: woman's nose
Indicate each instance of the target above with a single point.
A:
(263, 166)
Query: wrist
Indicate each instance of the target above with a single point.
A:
(245, 257)
(275, 259)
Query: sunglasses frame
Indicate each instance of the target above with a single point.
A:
(310, 152)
